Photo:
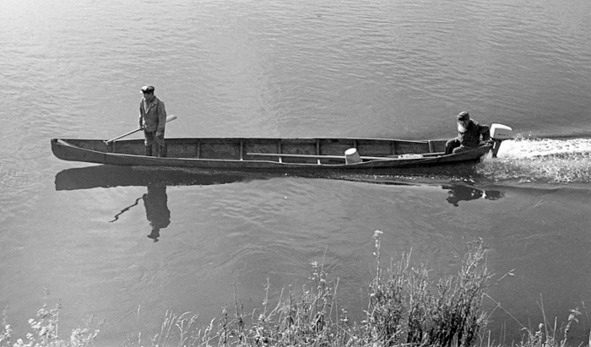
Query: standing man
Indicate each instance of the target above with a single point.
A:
(153, 121)
(469, 135)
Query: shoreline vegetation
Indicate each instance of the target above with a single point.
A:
(405, 308)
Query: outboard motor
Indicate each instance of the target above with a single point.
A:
(500, 133)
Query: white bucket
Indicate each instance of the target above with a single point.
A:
(352, 156)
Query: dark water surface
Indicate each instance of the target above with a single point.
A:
(384, 68)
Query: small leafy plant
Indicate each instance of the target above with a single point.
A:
(45, 331)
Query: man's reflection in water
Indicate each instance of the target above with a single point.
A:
(157, 212)
(458, 193)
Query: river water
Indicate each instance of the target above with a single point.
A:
(301, 68)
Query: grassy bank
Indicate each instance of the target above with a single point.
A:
(405, 307)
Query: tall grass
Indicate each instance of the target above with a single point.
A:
(406, 307)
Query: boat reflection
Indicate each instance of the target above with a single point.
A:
(456, 191)
(107, 176)
(460, 192)
(155, 200)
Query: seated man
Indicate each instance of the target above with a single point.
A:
(469, 135)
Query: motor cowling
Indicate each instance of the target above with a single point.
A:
(499, 133)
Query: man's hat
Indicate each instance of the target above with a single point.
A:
(148, 89)
(463, 115)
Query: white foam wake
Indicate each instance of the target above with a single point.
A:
(541, 160)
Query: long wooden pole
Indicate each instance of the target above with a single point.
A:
(321, 156)
(168, 119)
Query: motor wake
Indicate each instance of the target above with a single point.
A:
(540, 160)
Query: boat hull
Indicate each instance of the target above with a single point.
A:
(264, 154)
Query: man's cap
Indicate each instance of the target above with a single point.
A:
(148, 89)
(463, 115)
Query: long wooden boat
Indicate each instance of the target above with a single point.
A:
(264, 154)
